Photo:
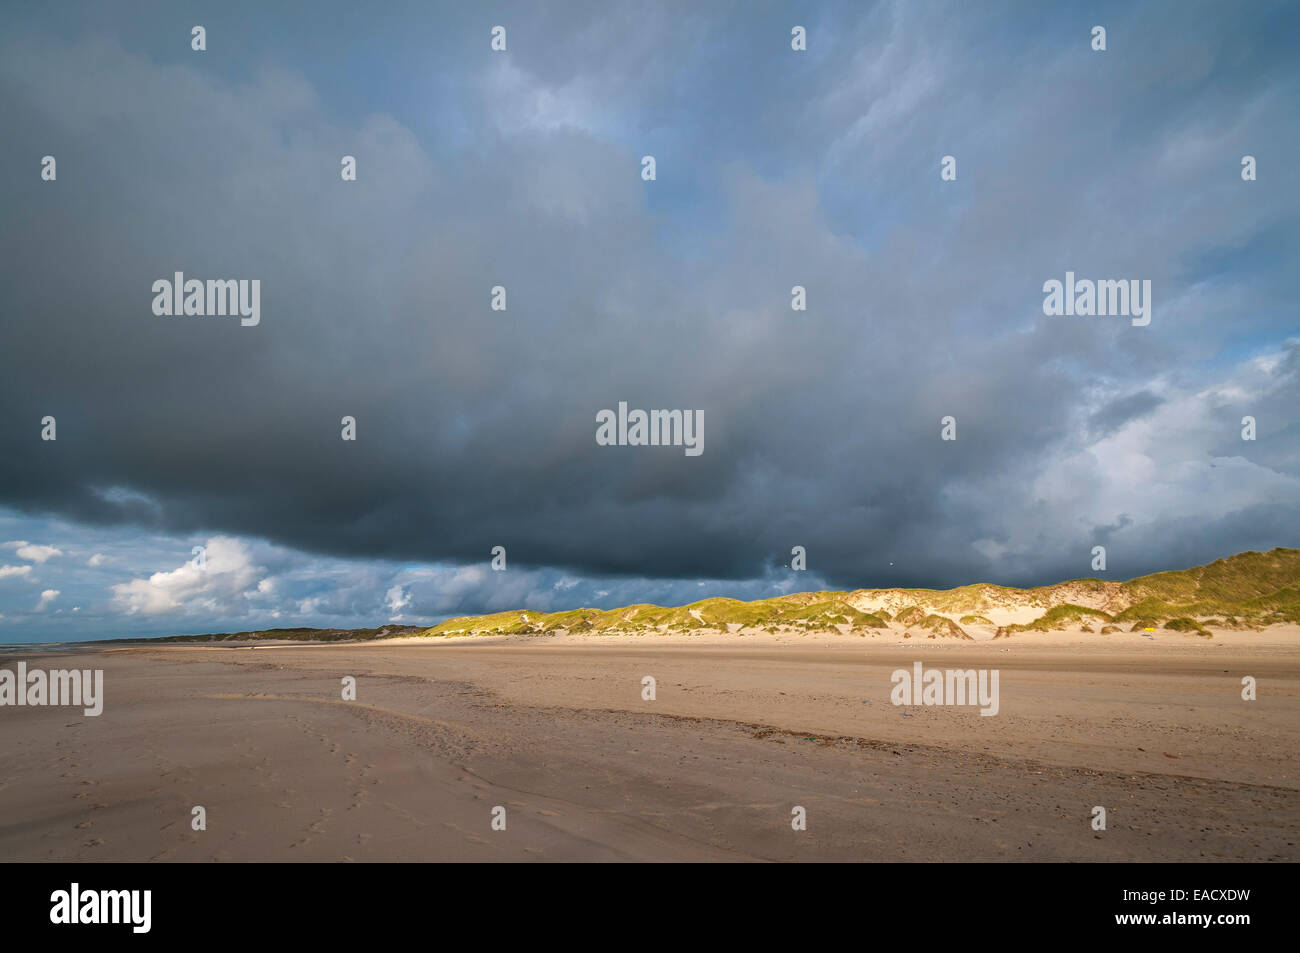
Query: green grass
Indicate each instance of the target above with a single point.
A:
(1058, 617)
(912, 615)
(1187, 625)
(942, 626)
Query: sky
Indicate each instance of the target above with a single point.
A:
(774, 168)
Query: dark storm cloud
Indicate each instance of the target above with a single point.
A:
(1115, 414)
(476, 428)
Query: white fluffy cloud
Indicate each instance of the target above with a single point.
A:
(7, 571)
(395, 600)
(32, 551)
(226, 579)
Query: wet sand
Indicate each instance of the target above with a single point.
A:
(743, 729)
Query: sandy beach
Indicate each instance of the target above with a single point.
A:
(743, 729)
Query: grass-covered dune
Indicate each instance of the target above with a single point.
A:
(1249, 590)
(810, 610)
